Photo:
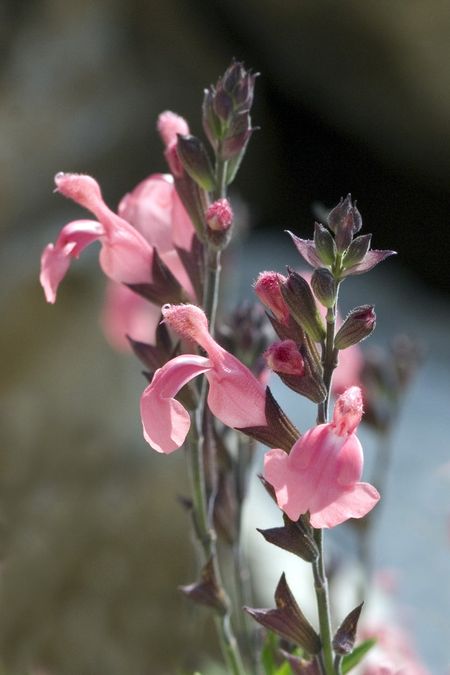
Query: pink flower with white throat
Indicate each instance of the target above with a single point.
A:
(235, 395)
(322, 472)
(125, 255)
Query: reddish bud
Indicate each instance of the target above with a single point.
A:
(358, 325)
(219, 215)
(284, 357)
(268, 289)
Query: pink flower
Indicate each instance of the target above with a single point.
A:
(169, 125)
(125, 255)
(235, 396)
(127, 313)
(155, 210)
(321, 474)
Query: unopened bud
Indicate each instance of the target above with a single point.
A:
(284, 357)
(358, 325)
(357, 250)
(324, 244)
(345, 221)
(302, 306)
(268, 289)
(195, 160)
(324, 287)
(219, 215)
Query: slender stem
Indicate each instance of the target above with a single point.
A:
(323, 606)
(202, 516)
(338, 665)
(329, 357)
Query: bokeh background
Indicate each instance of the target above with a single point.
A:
(353, 96)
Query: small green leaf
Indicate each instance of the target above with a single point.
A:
(268, 653)
(349, 662)
(284, 669)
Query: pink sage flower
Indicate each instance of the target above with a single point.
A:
(155, 210)
(128, 313)
(125, 255)
(235, 395)
(321, 474)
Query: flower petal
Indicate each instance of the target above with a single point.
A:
(355, 502)
(236, 397)
(165, 421)
(55, 259)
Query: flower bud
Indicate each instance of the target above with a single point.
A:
(357, 250)
(268, 289)
(324, 244)
(345, 221)
(219, 215)
(195, 160)
(284, 357)
(358, 325)
(302, 306)
(324, 287)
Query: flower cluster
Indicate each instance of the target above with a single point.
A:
(161, 252)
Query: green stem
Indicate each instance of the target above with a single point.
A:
(323, 605)
(202, 517)
(338, 665)
(329, 362)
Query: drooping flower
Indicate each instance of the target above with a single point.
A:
(322, 472)
(125, 254)
(235, 395)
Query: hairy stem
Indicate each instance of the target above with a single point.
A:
(329, 362)
(202, 516)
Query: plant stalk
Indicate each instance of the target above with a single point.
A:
(202, 516)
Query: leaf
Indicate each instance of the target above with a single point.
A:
(351, 660)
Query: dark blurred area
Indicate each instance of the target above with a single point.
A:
(353, 97)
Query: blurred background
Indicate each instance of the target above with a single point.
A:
(353, 97)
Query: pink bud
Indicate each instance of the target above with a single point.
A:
(169, 125)
(267, 288)
(284, 357)
(348, 411)
(219, 215)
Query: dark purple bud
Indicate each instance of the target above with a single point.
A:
(324, 244)
(324, 287)
(212, 124)
(357, 250)
(195, 160)
(287, 620)
(344, 639)
(345, 221)
(358, 325)
(300, 300)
